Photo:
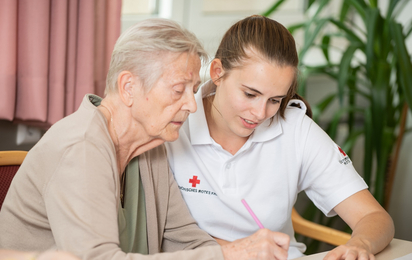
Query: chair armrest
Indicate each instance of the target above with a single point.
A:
(12, 157)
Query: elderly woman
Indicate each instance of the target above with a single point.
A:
(74, 192)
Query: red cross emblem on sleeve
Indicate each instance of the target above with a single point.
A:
(194, 181)
(341, 151)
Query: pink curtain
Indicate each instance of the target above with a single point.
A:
(52, 53)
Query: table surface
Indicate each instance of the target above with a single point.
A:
(397, 248)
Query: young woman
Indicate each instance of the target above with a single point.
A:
(248, 140)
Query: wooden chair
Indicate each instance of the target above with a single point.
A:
(318, 232)
(10, 162)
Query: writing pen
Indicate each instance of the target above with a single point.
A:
(252, 214)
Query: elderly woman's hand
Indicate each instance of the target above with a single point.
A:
(264, 244)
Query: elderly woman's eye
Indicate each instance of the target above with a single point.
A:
(179, 89)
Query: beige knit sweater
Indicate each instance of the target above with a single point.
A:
(66, 197)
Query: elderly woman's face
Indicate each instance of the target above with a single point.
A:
(163, 110)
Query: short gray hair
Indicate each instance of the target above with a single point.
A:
(141, 50)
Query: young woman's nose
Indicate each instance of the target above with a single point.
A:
(259, 110)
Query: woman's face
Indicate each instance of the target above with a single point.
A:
(163, 109)
(249, 95)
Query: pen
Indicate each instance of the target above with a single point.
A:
(252, 214)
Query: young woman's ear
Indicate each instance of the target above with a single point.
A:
(216, 71)
(125, 85)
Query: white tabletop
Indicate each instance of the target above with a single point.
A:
(397, 248)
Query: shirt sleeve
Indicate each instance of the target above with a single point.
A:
(328, 176)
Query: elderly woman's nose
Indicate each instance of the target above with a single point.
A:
(189, 102)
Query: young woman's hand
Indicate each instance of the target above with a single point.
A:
(372, 227)
(264, 244)
(353, 250)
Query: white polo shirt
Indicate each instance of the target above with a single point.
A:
(277, 162)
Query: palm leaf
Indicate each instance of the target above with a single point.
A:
(368, 147)
(310, 36)
(273, 8)
(349, 32)
(404, 60)
(344, 70)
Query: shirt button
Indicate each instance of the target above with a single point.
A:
(228, 166)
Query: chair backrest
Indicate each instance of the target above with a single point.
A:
(10, 162)
(318, 232)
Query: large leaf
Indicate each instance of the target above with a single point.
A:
(295, 27)
(368, 147)
(371, 23)
(408, 30)
(352, 97)
(373, 3)
(387, 144)
(344, 11)
(344, 69)
(325, 47)
(349, 32)
(310, 36)
(319, 9)
(332, 129)
(379, 105)
(359, 5)
(391, 7)
(318, 109)
(273, 8)
(351, 141)
(404, 60)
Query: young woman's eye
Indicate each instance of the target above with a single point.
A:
(249, 95)
(274, 101)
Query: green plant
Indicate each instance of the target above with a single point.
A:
(374, 81)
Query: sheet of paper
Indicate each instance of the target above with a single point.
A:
(405, 257)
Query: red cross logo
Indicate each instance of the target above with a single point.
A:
(194, 181)
(341, 151)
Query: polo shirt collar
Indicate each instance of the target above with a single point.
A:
(267, 131)
(199, 131)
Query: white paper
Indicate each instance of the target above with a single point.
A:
(405, 257)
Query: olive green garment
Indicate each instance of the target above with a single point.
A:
(132, 217)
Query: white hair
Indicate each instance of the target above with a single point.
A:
(142, 49)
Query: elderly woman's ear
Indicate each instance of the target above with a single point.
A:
(126, 83)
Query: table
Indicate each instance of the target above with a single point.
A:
(395, 249)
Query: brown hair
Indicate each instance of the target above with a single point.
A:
(264, 36)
